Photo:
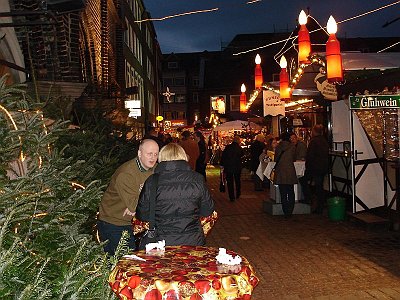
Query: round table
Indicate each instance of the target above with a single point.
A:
(182, 273)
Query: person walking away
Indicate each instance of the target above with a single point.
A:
(119, 201)
(256, 149)
(182, 198)
(285, 173)
(201, 162)
(231, 161)
(299, 146)
(191, 148)
(317, 166)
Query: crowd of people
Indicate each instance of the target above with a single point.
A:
(181, 191)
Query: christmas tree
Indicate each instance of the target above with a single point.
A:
(51, 182)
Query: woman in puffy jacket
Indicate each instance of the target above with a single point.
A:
(182, 198)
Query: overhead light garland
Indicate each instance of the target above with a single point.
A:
(313, 59)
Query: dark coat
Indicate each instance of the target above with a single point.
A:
(256, 148)
(301, 150)
(317, 158)
(201, 162)
(231, 158)
(182, 198)
(284, 171)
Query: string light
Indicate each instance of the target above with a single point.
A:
(178, 15)
(321, 28)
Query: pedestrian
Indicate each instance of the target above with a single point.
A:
(231, 161)
(317, 166)
(256, 149)
(182, 198)
(152, 134)
(119, 201)
(299, 146)
(191, 148)
(285, 173)
(201, 162)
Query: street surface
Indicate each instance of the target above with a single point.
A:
(307, 256)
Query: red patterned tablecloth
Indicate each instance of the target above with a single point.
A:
(182, 273)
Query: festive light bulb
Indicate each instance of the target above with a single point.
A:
(334, 68)
(302, 18)
(331, 27)
(258, 76)
(243, 99)
(283, 62)
(303, 39)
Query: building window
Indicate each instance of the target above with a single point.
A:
(172, 65)
(180, 98)
(275, 77)
(180, 115)
(168, 115)
(235, 103)
(179, 81)
(167, 82)
(196, 81)
(195, 98)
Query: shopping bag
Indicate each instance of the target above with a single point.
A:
(272, 176)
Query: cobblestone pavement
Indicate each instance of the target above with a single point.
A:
(307, 256)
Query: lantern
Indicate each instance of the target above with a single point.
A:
(284, 80)
(258, 76)
(304, 39)
(243, 99)
(334, 67)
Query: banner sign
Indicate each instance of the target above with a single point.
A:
(328, 90)
(272, 104)
(374, 101)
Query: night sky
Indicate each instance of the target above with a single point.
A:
(208, 31)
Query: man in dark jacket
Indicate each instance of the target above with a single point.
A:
(317, 166)
(256, 148)
(231, 161)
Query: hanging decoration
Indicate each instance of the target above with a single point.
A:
(303, 39)
(333, 56)
(284, 80)
(258, 76)
(243, 99)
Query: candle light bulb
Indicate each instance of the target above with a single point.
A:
(283, 62)
(243, 88)
(302, 18)
(258, 59)
(331, 26)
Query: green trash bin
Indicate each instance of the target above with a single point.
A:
(337, 208)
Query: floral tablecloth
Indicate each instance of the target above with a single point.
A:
(182, 273)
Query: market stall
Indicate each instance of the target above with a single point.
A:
(365, 158)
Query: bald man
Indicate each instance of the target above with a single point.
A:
(119, 202)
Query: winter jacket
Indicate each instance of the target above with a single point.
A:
(317, 158)
(182, 198)
(256, 149)
(231, 158)
(284, 171)
(192, 151)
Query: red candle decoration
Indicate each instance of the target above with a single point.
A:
(304, 39)
(284, 80)
(258, 76)
(243, 99)
(334, 67)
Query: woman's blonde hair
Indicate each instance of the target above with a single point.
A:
(172, 151)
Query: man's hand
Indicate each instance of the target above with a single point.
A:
(128, 212)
